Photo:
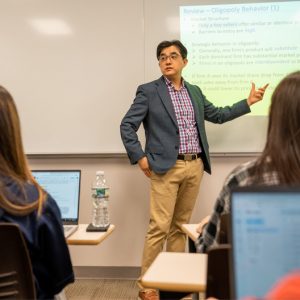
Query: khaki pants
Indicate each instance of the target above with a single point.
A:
(172, 199)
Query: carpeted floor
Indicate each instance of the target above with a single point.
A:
(102, 289)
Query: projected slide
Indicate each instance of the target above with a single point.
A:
(231, 45)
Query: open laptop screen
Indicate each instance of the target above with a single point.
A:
(64, 187)
(265, 237)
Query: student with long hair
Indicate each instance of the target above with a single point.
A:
(25, 203)
(279, 163)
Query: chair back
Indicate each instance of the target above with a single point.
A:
(16, 277)
(218, 276)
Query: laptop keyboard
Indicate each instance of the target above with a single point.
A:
(69, 229)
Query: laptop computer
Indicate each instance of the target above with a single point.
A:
(64, 187)
(265, 238)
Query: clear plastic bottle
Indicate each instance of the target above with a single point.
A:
(100, 195)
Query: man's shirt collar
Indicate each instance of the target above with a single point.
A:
(169, 82)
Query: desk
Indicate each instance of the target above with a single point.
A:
(190, 230)
(178, 272)
(81, 237)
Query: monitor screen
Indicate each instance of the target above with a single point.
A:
(265, 239)
(64, 187)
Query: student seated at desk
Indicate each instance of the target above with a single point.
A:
(279, 162)
(23, 202)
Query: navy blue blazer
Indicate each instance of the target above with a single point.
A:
(153, 107)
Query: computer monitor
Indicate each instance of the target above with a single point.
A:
(265, 238)
(64, 187)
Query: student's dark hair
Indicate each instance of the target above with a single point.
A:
(282, 150)
(165, 44)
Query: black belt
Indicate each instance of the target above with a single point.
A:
(188, 156)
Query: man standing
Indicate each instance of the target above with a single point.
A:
(176, 151)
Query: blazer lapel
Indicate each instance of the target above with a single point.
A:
(166, 99)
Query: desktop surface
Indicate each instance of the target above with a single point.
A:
(82, 237)
(178, 272)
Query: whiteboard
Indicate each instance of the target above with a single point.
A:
(246, 134)
(72, 67)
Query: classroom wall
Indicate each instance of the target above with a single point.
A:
(128, 204)
(78, 70)
(73, 67)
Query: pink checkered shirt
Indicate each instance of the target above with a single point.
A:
(184, 111)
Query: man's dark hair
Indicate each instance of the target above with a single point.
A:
(165, 44)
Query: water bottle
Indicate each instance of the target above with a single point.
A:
(100, 194)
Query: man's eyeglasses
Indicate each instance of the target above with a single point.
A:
(172, 57)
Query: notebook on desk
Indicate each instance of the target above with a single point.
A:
(265, 238)
(64, 187)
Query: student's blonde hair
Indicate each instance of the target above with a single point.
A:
(13, 162)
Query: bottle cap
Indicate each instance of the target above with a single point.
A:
(99, 172)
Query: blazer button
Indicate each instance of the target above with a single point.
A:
(176, 147)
